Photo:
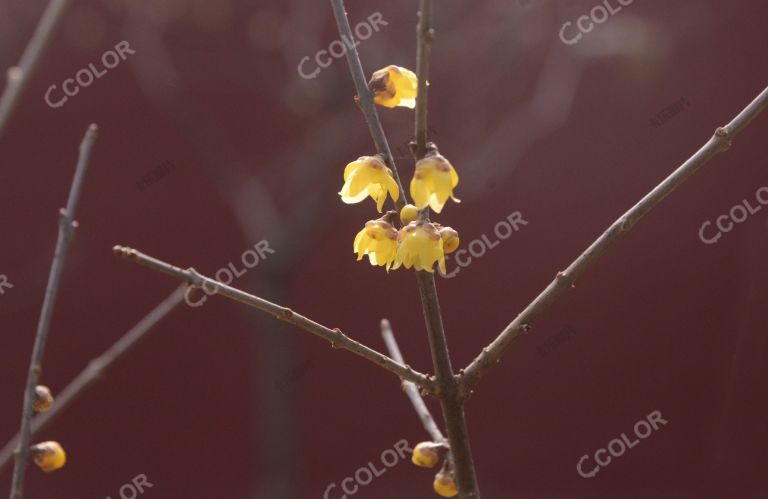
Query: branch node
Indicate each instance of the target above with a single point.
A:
(125, 252)
(723, 138)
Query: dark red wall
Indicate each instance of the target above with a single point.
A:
(222, 403)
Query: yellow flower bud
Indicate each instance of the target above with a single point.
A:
(394, 86)
(378, 240)
(444, 485)
(368, 176)
(408, 214)
(433, 182)
(420, 246)
(49, 456)
(450, 239)
(425, 455)
(43, 399)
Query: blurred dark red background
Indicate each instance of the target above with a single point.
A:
(222, 401)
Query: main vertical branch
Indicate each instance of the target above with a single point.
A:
(67, 226)
(452, 404)
(18, 76)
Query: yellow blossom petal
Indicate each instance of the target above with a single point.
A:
(394, 86)
(419, 246)
(378, 240)
(433, 182)
(368, 176)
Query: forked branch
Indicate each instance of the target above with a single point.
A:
(564, 280)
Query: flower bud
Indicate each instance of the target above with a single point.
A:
(49, 456)
(408, 214)
(43, 399)
(444, 485)
(394, 86)
(450, 239)
(425, 455)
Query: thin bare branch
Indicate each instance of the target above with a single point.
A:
(409, 388)
(365, 97)
(97, 369)
(424, 48)
(18, 76)
(334, 336)
(564, 280)
(67, 225)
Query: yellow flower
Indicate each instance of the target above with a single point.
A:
(433, 182)
(450, 239)
(444, 485)
(420, 246)
(394, 86)
(49, 456)
(425, 455)
(368, 176)
(378, 240)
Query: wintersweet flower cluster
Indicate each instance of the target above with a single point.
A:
(409, 240)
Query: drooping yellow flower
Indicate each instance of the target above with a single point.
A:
(394, 86)
(420, 246)
(368, 176)
(425, 455)
(433, 182)
(378, 240)
(49, 456)
(445, 485)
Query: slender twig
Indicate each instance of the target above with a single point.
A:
(365, 97)
(333, 336)
(18, 76)
(425, 34)
(98, 368)
(67, 226)
(411, 390)
(564, 280)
